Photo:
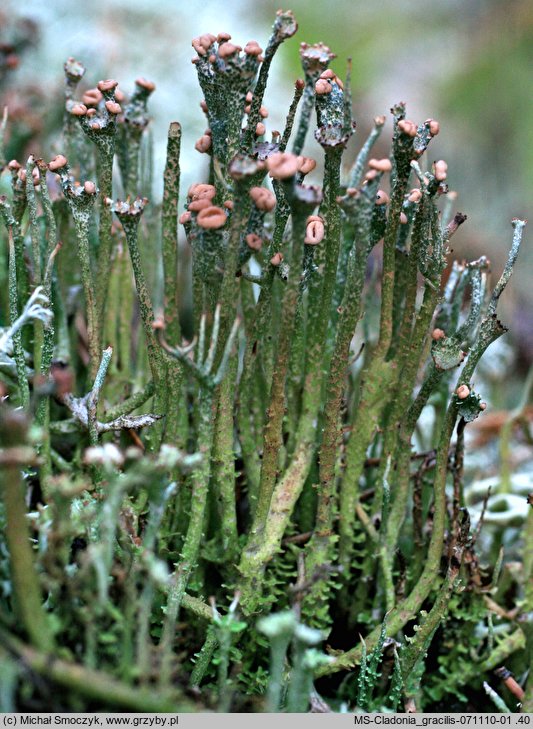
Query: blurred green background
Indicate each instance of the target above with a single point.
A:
(465, 62)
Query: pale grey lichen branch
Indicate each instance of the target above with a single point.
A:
(356, 173)
(202, 370)
(94, 395)
(116, 418)
(35, 309)
(423, 177)
(78, 408)
(84, 409)
(518, 227)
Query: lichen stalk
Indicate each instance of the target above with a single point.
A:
(319, 548)
(171, 288)
(272, 437)
(284, 27)
(490, 330)
(104, 169)
(35, 233)
(314, 59)
(52, 248)
(81, 201)
(200, 487)
(223, 465)
(129, 215)
(170, 234)
(356, 173)
(285, 494)
(13, 229)
(27, 592)
(101, 128)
